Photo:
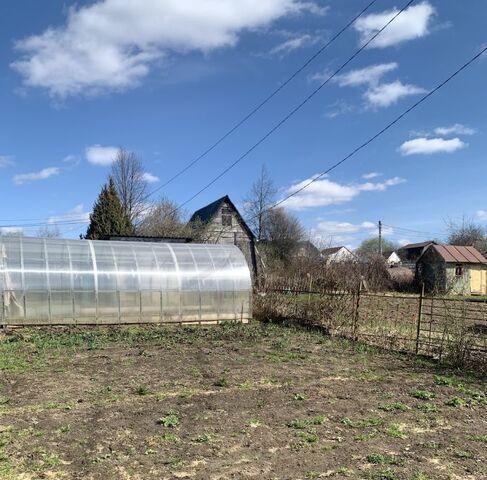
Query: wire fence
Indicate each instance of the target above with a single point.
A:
(452, 330)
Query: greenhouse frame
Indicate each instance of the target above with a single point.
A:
(46, 281)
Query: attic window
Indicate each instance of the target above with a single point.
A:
(458, 270)
(226, 217)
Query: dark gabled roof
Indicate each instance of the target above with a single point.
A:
(411, 246)
(457, 254)
(331, 250)
(206, 214)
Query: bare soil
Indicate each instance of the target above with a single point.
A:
(231, 402)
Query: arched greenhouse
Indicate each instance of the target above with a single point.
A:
(54, 281)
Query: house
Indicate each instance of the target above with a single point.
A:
(410, 253)
(306, 249)
(392, 258)
(222, 223)
(452, 269)
(337, 254)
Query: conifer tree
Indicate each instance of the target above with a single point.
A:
(108, 216)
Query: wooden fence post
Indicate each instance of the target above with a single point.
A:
(356, 314)
(420, 313)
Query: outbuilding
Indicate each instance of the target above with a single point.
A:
(459, 270)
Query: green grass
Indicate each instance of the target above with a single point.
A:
(376, 458)
(427, 407)
(394, 430)
(478, 438)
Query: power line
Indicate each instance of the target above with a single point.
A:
(264, 102)
(385, 129)
(296, 109)
(421, 232)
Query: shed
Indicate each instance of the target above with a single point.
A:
(337, 254)
(392, 258)
(46, 281)
(453, 269)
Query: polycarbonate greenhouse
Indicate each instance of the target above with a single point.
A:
(54, 281)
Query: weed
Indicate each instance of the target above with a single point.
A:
(203, 438)
(171, 420)
(376, 458)
(142, 390)
(423, 394)
(394, 430)
(364, 423)
(427, 407)
(456, 402)
(168, 438)
(221, 382)
(299, 396)
(319, 420)
(312, 474)
(387, 474)
(447, 381)
(463, 454)
(394, 407)
(65, 428)
(420, 476)
(255, 423)
(478, 438)
(308, 437)
(298, 424)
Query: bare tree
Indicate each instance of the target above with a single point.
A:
(467, 232)
(258, 201)
(128, 175)
(48, 231)
(163, 219)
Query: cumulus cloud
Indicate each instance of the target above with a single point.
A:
(325, 192)
(365, 76)
(149, 178)
(387, 94)
(295, 43)
(113, 44)
(102, 156)
(371, 175)
(43, 174)
(6, 161)
(412, 24)
(344, 228)
(456, 129)
(428, 146)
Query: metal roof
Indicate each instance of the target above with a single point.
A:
(459, 254)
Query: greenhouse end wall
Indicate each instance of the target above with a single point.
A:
(79, 282)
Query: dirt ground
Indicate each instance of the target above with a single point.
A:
(231, 402)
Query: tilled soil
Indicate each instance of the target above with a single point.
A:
(233, 402)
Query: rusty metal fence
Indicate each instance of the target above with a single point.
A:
(450, 329)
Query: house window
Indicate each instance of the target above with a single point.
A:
(458, 270)
(226, 216)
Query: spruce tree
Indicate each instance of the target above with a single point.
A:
(108, 216)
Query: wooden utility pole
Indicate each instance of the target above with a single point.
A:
(380, 238)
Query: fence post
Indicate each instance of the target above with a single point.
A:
(356, 314)
(420, 313)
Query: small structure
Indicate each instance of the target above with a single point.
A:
(460, 270)
(223, 224)
(410, 253)
(47, 281)
(392, 258)
(337, 254)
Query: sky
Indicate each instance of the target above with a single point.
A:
(167, 78)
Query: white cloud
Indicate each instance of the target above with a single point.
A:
(6, 161)
(456, 129)
(371, 175)
(295, 43)
(326, 192)
(43, 174)
(481, 214)
(149, 178)
(413, 23)
(339, 107)
(344, 228)
(76, 214)
(98, 155)
(112, 45)
(428, 146)
(366, 76)
(387, 94)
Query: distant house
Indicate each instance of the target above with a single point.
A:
(306, 249)
(410, 253)
(223, 224)
(392, 258)
(337, 254)
(452, 269)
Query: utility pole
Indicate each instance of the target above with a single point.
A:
(380, 238)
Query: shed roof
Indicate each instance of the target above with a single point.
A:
(331, 250)
(458, 254)
(410, 246)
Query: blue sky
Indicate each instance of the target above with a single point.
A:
(166, 78)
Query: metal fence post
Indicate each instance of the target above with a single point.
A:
(420, 313)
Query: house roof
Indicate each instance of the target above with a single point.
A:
(410, 246)
(458, 254)
(206, 214)
(388, 253)
(331, 250)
